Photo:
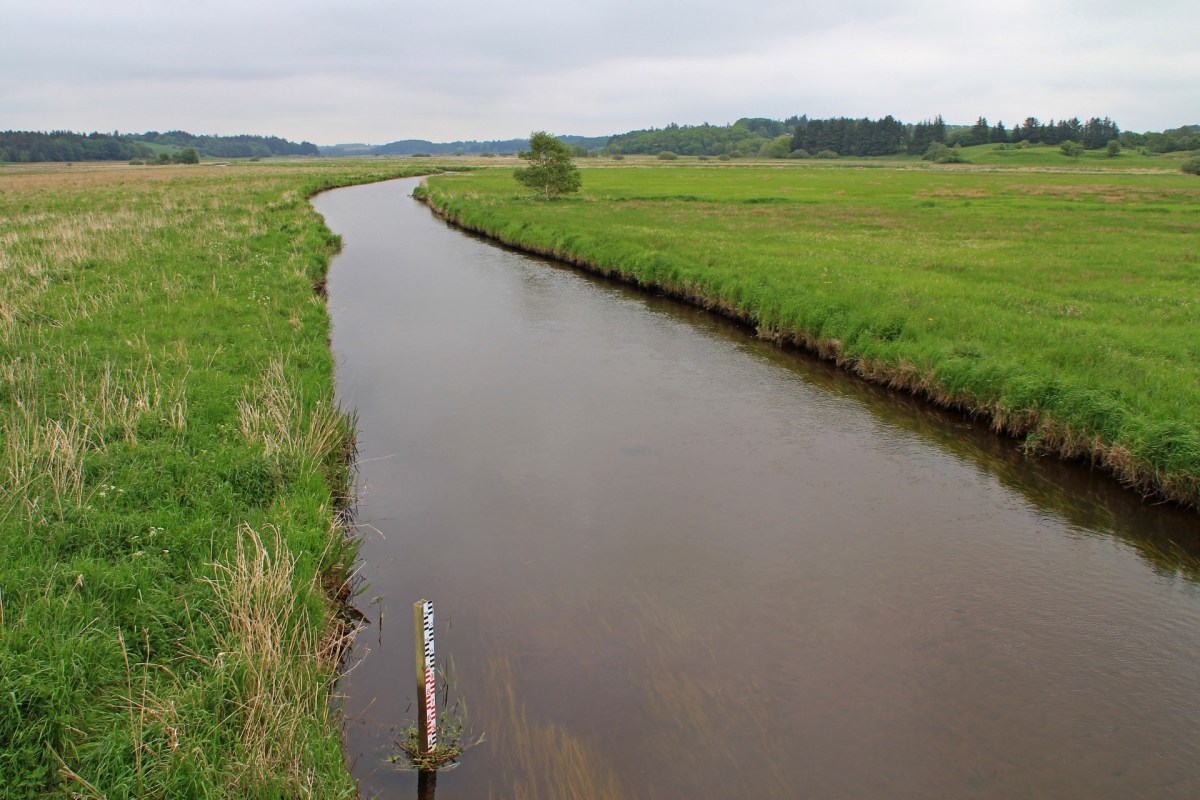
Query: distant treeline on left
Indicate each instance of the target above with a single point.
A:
(26, 146)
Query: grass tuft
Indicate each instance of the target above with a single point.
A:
(274, 414)
(271, 660)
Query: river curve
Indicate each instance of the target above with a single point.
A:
(673, 561)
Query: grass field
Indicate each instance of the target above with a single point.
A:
(1063, 305)
(171, 461)
(984, 156)
(1050, 156)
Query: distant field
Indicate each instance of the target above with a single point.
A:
(1052, 156)
(170, 464)
(1064, 306)
(1044, 157)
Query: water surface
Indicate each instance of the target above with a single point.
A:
(672, 561)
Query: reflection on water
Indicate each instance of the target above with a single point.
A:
(1165, 537)
(673, 561)
(543, 759)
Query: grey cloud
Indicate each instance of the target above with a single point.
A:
(380, 70)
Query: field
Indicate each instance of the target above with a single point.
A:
(1062, 304)
(172, 466)
(173, 460)
(1050, 156)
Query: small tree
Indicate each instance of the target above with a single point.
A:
(1071, 149)
(935, 151)
(779, 147)
(938, 153)
(1113, 149)
(550, 171)
(953, 155)
(188, 155)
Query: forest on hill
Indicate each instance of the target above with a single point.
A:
(473, 147)
(27, 146)
(794, 137)
(802, 136)
(239, 146)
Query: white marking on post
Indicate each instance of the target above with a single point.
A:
(426, 675)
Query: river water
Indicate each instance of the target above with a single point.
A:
(671, 561)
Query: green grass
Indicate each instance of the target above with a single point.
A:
(171, 461)
(987, 156)
(1050, 156)
(1064, 306)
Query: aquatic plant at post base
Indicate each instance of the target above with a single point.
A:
(453, 738)
(922, 279)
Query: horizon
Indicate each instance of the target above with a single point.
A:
(952, 124)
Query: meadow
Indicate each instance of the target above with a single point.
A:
(1052, 157)
(173, 467)
(1061, 301)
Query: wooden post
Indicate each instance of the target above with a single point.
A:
(427, 784)
(426, 676)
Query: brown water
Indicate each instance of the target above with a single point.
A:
(670, 561)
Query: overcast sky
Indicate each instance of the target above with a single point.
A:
(380, 70)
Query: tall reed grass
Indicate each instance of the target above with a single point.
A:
(169, 483)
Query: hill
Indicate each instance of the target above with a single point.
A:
(239, 146)
(28, 146)
(412, 147)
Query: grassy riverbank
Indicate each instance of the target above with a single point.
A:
(171, 461)
(1063, 306)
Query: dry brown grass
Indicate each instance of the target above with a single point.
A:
(272, 413)
(274, 663)
(46, 441)
(40, 248)
(43, 464)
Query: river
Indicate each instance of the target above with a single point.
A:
(670, 560)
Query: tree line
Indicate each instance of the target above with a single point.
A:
(24, 146)
(239, 146)
(801, 136)
(1186, 137)
(794, 137)
(410, 147)
(743, 138)
(1095, 134)
(27, 146)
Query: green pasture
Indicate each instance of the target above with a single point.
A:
(989, 156)
(171, 465)
(1051, 156)
(1065, 306)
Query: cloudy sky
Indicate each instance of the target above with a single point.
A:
(380, 70)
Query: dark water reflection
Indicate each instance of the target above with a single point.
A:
(672, 561)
